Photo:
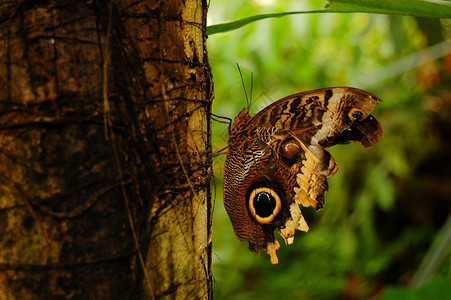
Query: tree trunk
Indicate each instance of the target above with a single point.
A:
(105, 151)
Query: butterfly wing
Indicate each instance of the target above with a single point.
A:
(276, 160)
(325, 117)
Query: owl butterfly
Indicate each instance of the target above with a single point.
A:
(276, 160)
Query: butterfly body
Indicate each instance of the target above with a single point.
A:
(276, 160)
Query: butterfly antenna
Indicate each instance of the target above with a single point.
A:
(250, 96)
(244, 86)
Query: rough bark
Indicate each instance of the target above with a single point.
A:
(104, 150)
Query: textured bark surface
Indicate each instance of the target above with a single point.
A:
(104, 145)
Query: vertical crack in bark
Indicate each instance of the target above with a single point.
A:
(111, 134)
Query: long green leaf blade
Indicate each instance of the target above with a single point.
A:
(224, 27)
(419, 8)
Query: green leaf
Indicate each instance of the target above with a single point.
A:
(419, 8)
(224, 27)
(437, 288)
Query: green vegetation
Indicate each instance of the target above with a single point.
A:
(419, 8)
(387, 204)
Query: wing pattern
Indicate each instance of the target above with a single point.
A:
(276, 160)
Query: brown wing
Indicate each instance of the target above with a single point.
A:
(325, 117)
(277, 157)
(309, 165)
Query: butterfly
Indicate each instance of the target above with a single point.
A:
(276, 160)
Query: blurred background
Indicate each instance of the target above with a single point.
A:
(387, 206)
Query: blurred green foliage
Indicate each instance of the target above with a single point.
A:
(436, 288)
(387, 203)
